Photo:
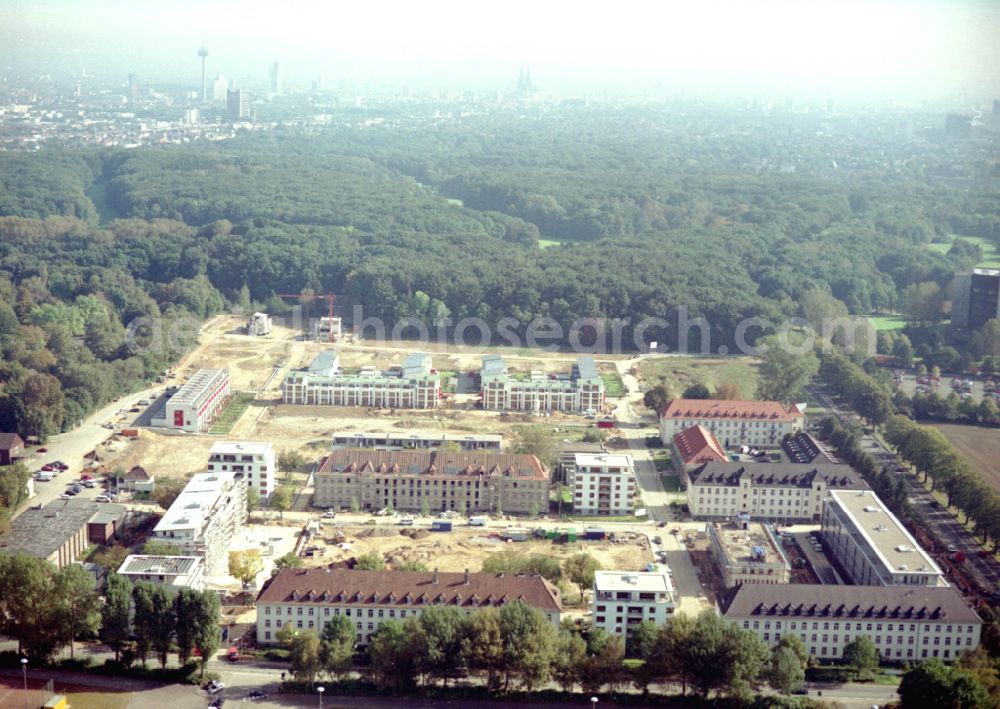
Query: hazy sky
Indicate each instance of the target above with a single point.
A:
(903, 48)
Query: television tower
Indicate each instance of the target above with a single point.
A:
(203, 52)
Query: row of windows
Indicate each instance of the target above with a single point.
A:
(836, 625)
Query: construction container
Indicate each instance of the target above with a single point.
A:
(441, 525)
(517, 534)
(595, 533)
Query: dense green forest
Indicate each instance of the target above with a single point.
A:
(650, 215)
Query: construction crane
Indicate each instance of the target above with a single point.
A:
(330, 299)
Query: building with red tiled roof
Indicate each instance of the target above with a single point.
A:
(694, 446)
(464, 481)
(309, 598)
(734, 423)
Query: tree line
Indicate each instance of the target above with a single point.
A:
(45, 609)
(937, 461)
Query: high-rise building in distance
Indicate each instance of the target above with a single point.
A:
(134, 87)
(238, 104)
(219, 88)
(975, 298)
(275, 79)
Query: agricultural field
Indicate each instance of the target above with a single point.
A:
(979, 446)
(680, 372)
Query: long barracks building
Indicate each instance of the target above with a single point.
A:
(407, 480)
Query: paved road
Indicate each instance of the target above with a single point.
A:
(924, 508)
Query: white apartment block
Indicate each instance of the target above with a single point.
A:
(906, 623)
(414, 385)
(205, 517)
(310, 598)
(623, 599)
(259, 325)
(405, 440)
(254, 461)
(195, 405)
(747, 552)
(603, 484)
(580, 391)
(171, 572)
(734, 423)
(872, 545)
(326, 329)
(782, 492)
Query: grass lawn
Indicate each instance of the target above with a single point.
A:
(887, 322)
(548, 243)
(613, 384)
(991, 254)
(671, 483)
(678, 373)
(228, 418)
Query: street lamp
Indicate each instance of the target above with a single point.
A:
(593, 702)
(320, 690)
(24, 670)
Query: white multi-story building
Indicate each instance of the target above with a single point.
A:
(195, 405)
(414, 385)
(623, 599)
(871, 544)
(747, 552)
(734, 423)
(906, 623)
(325, 329)
(310, 598)
(259, 325)
(254, 461)
(580, 391)
(404, 440)
(171, 572)
(603, 484)
(771, 491)
(205, 517)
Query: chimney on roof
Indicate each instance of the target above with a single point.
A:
(466, 577)
(434, 579)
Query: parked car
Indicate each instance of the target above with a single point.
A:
(46, 450)
(89, 484)
(256, 694)
(60, 465)
(329, 514)
(215, 686)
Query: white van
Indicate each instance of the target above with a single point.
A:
(44, 476)
(479, 521)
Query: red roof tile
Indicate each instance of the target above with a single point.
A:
(698, 445)
(729, 409)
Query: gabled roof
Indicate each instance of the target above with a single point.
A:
(834, 601)
(803, 448)
(698, 445)
(138, 474)
(10, 440)
(836, 476)
(419, 462)
(410, 588)
(730, 410)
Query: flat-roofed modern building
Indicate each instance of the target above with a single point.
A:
(403, 440)
(733, 423)
(772, 491)
(254, 461)
(62, 530)
(872, 545)
(308, 599)
(259, 324)
(694, 446)
(623, 599)
(603, 484)
(171, 572)
(975, 298)
(747, 552)
(413, 385)
(195, 405)
(906, 623)
(205, 517)
(468, 482)
(567, 458)
(579, 391)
